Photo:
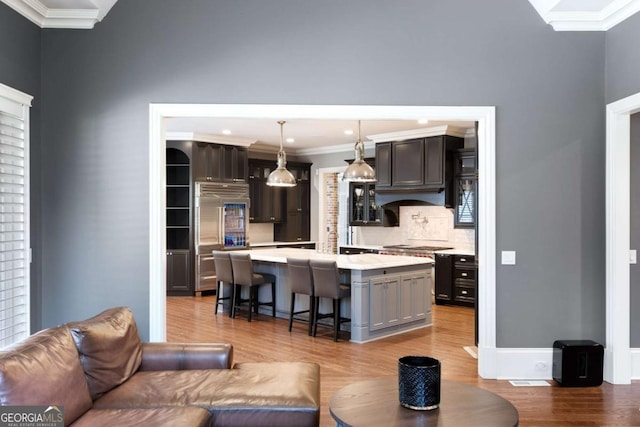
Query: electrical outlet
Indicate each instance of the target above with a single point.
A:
(508, 257)
(541, 365)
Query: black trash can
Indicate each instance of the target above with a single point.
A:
(577, 363)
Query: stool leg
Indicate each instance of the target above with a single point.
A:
(273, 299)
(315, 316)
(234, 302)
(215, 310)
(293, 304)
(231, 299)
(312, 313)
(251, 302)
(336, 318)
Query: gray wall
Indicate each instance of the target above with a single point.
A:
(634, 270)
(548, 88)
(622, 80)
(20, 69)
(623, 59)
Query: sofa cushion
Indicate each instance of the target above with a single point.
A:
(45, 370)
(255, 394)
(150, 417)
(110, 348)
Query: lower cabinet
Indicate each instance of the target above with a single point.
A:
(456, 281)
(205, 273)
(384, 302)
(179, 272)
(397, 299)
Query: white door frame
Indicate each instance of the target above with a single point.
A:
(485, 116)
(617, 369)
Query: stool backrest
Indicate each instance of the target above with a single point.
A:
(222, 263)
(242, 269)
(300, 278)
(326, 278)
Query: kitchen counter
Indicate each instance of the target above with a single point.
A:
(468, 252)
(346, 262)
(389, 294)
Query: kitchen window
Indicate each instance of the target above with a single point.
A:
(14, 216)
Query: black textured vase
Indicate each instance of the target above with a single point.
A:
(419, 382)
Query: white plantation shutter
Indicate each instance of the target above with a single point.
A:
(14, 216)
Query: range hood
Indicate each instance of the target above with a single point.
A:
(391, 202)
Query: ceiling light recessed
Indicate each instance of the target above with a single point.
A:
(348, 132)
(226, 132)
(423, 121)
(290, 140)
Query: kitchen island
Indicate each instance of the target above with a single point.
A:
(389, 294)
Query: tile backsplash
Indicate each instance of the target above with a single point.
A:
(419, 225)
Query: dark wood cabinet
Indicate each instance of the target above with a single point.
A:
(456, 279)
(179, 219)
(266, 201)
(407, 167)
(179, 273)
(383, 164)
(416, 164)
(235, 161)
(443, 282)
(363, 209)
(465, 187)
(208, 162)
(297, 224)
(219, 163)
(434, 162)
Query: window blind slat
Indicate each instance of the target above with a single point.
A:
(13, 286)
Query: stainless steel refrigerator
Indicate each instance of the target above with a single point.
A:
(221, 223)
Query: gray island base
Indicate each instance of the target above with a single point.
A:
(389, 294)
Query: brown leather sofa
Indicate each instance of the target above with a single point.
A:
(102, 374)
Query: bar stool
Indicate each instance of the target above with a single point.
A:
(301, 282)
(326, 281)
(243, 275)
(224, 274)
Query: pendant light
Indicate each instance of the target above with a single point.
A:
(281, 177)
(359, 170)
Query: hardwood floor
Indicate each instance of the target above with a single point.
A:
(342, 363)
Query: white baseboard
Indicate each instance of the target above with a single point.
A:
(517, 363)
(635, 363)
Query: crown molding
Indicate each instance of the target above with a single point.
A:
(580, 20)
(44, 17)
(419, 133)
(215, 139)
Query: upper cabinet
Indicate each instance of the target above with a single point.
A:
(297, 223)
(416, 164)
(220, 163)
(465, 189)
(363, 209)
(266, 201)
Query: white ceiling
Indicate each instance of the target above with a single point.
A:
(310, 135)
(562, 15)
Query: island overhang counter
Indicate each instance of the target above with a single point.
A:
(389, 294)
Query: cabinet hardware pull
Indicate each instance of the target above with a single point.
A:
(464, 292)
(464, 274)
(463, 260)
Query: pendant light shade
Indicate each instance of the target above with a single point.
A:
(281, 177)
(359, 170)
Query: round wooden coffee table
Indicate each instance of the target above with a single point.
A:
(375, 403)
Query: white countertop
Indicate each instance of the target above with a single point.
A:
(467, 252)
(348, 262)
(454, 251)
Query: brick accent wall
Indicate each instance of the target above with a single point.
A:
(331, 204)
